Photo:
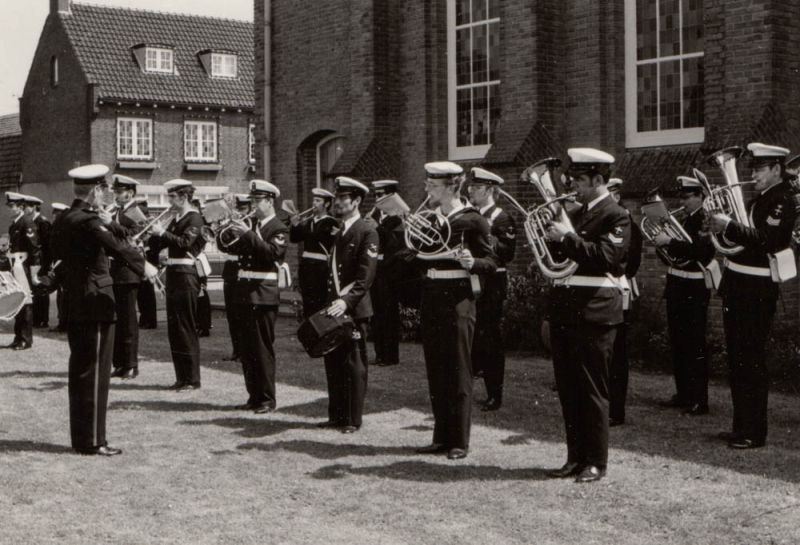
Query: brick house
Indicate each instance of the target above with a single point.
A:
(375, 89)
(153, 95)
(10, 153)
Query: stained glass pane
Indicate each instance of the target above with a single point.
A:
(462, 12)
(692, 26)
(693, 97)
(494, 51)
(479, 10)
(463, 117)
(480, 63)
(668, 27)
(647, 98)
(462, 57)
(646, 29)
(480, 116)
(670, 90)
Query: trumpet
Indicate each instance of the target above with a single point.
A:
(305, 214)
(228, 238)
(539, 218)
(726, 199)
(147, 227)
(668, 224)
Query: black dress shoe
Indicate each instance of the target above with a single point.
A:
(614, 422)
(567, 470)
(381, 363)
(673, 403)
(177, 385)
(696, 410)
(349, 429)
(263, 409)
(328, 424)
(745, 444)
(433, 448)
(492, 404)
(590, 474)
(187, 387)
(727, 436)
(99, 451)
(131, 373)
(22, 346)
(203, 333)
(232, 357)
(12, 345)
(245, 406)
(117, 372)
(456, 453)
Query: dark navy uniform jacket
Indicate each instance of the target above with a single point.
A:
(772, 216)
(23, 237)
(504, 234)
(123, 227)
(83, 243)
(43, 228)
(316, 236)
(356, 258)
(599, 247)
(700, 249)
(182, 240)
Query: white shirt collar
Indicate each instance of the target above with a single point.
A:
(263, 222)
(36, 215)
(594, 203)
(485, 208)
(457, 208)
(770, 187)
(351, 221)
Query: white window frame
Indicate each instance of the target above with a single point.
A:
(199, 156)
(454, 151)
(224, 65)
(164, 61)
(633, 137)
(134, 121)
(320, 145)
(251, 141)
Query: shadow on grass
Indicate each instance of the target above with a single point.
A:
(252, 427)
(139, 387)
(330, 451)
(20, 445)
(167, 406)
(419, 471)
(32, 374)
(46, 386)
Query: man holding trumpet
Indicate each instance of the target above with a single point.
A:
(314, 228)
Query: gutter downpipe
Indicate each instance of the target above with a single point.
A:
(267, 149)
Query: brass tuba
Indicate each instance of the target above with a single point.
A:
(538, 218)
(668, 224)
(726, 199)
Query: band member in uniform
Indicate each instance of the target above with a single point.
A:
(40, 298)
(619, 368)
(61, 300)
(585, 310)
(687, 301)
(354, 259)
(488, 353)
(82, 242)
(448, 311)
(748, 293)
(230, 276)
(25, 253)
(260, 250)
(316, 234)
(385, 324)
(204, 324)
(146, 298)
(184, 242)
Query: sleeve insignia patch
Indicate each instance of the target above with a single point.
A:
(30, 232)
(773, 222)
(616, 235)
(372, 251)
(280, 239)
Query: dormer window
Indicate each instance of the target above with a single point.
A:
(223, 65)
(158, 59)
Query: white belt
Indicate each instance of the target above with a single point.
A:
(256, 275)
(586, 282)
(434, 274)
(180, 261)
(315, 255)
(746, 269)
(21, 256)
(380, 257)
(691, 275)
(500, 269)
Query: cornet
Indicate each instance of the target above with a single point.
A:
(667, 223)
(726, 199)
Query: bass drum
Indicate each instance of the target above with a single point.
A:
(321, 334)
(12, 296)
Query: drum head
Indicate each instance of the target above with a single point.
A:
(10, 304)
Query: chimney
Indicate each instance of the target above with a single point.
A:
(60, 6)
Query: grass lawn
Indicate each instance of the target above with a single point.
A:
(195, 471)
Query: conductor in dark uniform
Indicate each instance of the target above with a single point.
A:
(585, 310)
(449, 291)
(25, 255)
(488, 352)
(687, 300)
(260, 250)
(41, 298)
(230, 276)
(316, 235)
(183, 240)
(619, 369)
(354, 259)
(82, 241)
(749, 294)
(126, 283)
(385, 324)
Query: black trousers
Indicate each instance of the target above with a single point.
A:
(618, 372)
(41, 310)
(313, 276)
(747, 324)
(91, 345)
(182, 291)
(126, 336)
(346, 371)
(385, 323)
(448, 325)
(488, 352)
(146, 299)
(63, 309)
(581, 356)
(203, 309)
(233, 315)
(686, 323)
(257, 352)
(23, 325)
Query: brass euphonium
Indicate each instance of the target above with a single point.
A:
(726, 199)
(668, 224)
(539, 218)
